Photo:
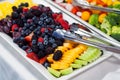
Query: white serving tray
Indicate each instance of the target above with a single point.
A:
(94, 29)
(38, 68)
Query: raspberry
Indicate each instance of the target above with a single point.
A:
(42, 30)
(14, 26)
(25, 9)
(40, 39)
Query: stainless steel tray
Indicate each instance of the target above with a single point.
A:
(92, 28)
(37, 68)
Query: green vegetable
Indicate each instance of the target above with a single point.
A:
(93, 20)
(116, 6)
(116, 32)
(106, 27)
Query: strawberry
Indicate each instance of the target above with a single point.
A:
(33, 56)
(35, 7)
(42, 60)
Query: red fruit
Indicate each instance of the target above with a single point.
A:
(40, 39)
(35, 7)
(28, 38)
(25, 9)
(42, 60)
(30, 55)
(54, 15)
(33, 56)
(64, 23)
(14, 26)
(42, 30)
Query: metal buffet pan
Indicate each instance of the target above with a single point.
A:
(38, 69)
(87, 25)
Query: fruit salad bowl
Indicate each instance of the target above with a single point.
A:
(66, 52)
(86, 18)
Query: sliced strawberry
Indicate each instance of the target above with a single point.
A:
(42, 60)
(40, 39)
(25, 9)
(35, 57)
(54, 15)
(30, 55)
(14, 26)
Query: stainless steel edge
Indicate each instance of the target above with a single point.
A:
(92, 28)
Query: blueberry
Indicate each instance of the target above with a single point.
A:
(31, 28)
(34, 37)
(29, 50)
(40, 23)
(24, 47)
(45, 42)
(46, 37)
(51, 40)
(46, 64)
(41, 18)
(59, 43)
(26, 25)
(41, 46)
(54, 45)
(34, 42)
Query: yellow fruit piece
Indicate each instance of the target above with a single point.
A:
(110, 2)
(85, 15)
(50, 58)
(105, 1)
(116, 2)
(69, 57)
(95, 11)
(101, 17)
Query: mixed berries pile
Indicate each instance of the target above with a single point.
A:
(32, 30)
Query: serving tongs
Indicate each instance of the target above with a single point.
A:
(73, 37)
(86, 5)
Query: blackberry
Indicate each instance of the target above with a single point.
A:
(57, 55)
(20, 22)
(15, 15)
(14, 8)
(36, 12)
(26, 4)
(49, 50)
(41, 54)
(28, 15)
(35, 48)
(59, 42)
(41, 46)
(19, 10)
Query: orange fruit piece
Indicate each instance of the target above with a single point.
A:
(101, 17)
(85, 15)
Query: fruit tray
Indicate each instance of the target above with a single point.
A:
(86, 24)
(42, 70)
